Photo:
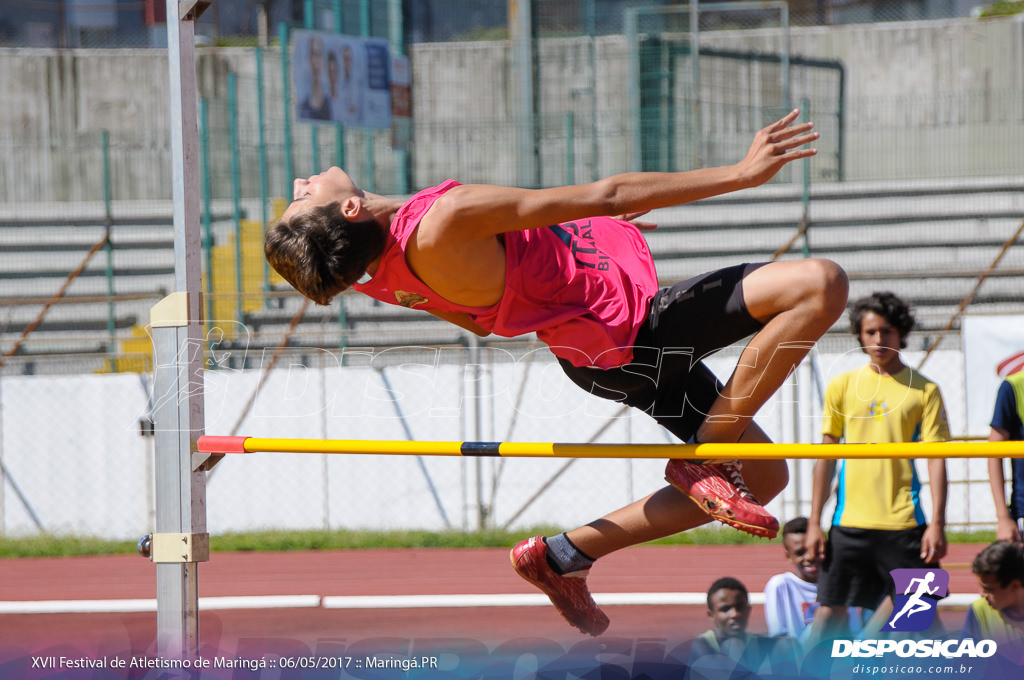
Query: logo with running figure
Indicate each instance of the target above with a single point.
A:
(917, 594)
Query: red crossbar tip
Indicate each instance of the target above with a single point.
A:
(221, 444)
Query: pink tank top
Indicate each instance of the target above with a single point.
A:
(583, 287)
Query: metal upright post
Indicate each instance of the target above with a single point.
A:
(634, 89)
(264, 180)
(698, 112)
(180, 540)
(108, 248)
(520, 26)
(309, 17)
(286, 95)
(396, 36)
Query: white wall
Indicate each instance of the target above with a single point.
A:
(73, 447)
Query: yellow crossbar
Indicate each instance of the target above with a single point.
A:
(213, 444)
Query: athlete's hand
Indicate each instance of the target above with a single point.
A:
(814, 541)
(632, 219)
(933, 544)
(775, 146)
(1007, 530)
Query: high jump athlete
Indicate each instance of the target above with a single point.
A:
(513, 261)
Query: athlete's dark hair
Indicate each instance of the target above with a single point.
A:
(888, 306)
(727, 583)
(1002, 559)
(797, 525)
(321, 253)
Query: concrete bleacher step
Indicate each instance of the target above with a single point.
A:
(928, 241)
(135, 353)
(981, 231)
(41, 245)
(857, 203)
(156, 286)
(925, 240)
(224, 279)
(87, 316)
(379, 336)
(358, 309)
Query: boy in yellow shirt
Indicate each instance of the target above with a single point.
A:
(878, 524)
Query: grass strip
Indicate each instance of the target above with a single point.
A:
(50, 545)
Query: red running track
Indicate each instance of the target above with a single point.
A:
(669, 569)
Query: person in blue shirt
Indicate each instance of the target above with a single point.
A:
(1007, 426)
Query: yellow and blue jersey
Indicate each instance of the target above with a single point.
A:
(864, 407)
(985, 623)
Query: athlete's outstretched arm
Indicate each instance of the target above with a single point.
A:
(481, 211)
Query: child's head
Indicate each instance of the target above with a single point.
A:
(325, 239)
(805, 564)
(885, 307)
(728, 607)
(999, 569)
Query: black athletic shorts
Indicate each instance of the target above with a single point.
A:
(667, 379)
(858, 562)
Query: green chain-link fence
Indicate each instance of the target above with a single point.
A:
(916, 188)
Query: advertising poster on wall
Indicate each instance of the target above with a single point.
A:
(341, 79)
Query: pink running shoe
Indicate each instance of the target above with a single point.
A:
(569, 593)
(719, 489)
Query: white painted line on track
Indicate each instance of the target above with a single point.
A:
(149, 605)
(383, 602)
